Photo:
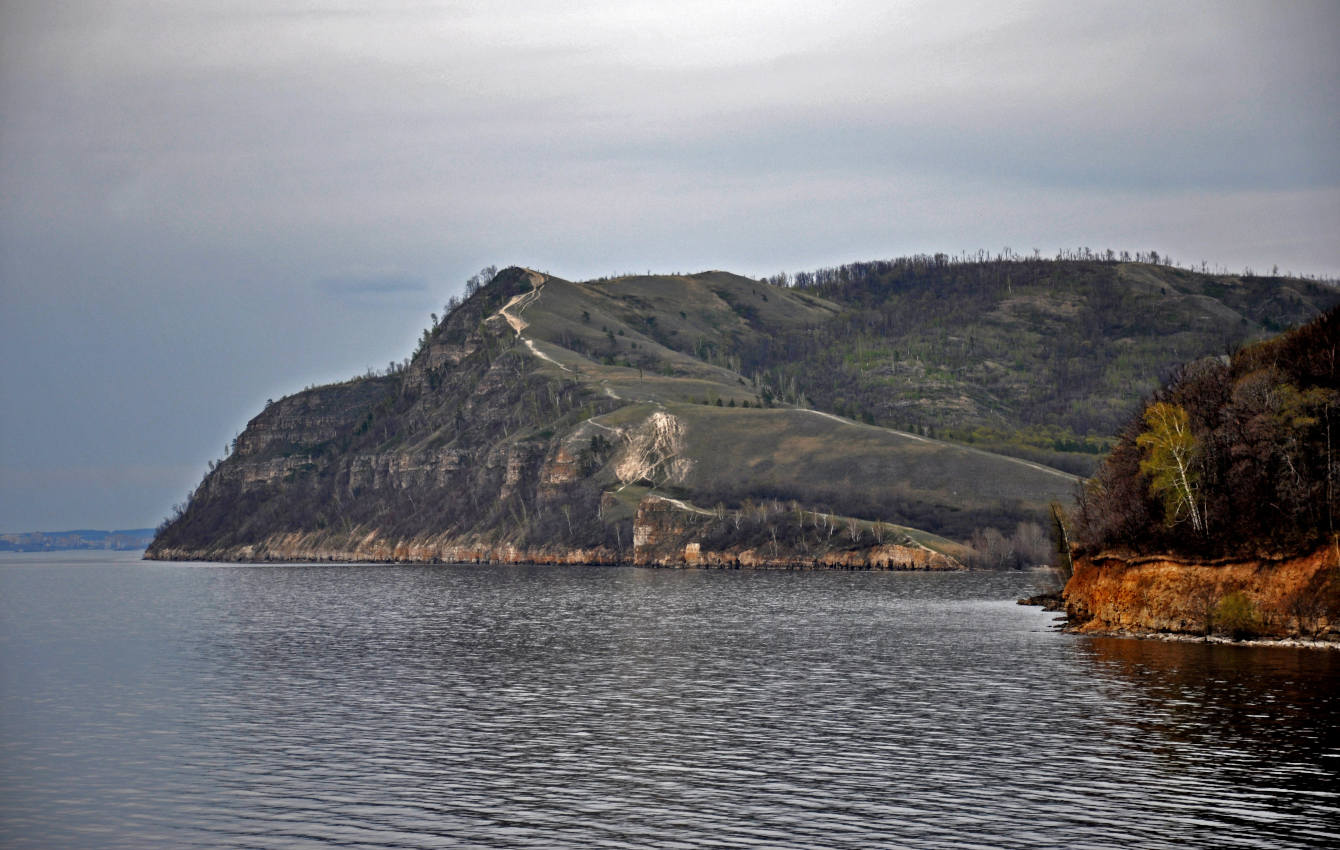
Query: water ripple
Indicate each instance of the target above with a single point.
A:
(427, 707)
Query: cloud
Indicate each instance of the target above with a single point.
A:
(179, 181)
(374, 286)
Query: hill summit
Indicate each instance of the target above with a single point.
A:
(871, 416)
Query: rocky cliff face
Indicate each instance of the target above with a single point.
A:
(404, 457)
(369, 546)
(1127, 594)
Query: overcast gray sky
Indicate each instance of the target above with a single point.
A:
(207, 204)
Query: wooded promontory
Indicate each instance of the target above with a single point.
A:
(1217, 509)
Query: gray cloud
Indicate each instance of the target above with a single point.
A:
(374, 286)
(205, 205)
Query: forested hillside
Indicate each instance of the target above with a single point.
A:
(1038, 358)
(1235, 456)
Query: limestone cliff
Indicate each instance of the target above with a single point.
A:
(665, 533)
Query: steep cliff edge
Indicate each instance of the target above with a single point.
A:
(1128, 594)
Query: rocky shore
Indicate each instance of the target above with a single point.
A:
(1285, 600)
(1171, 637)
(300, 548)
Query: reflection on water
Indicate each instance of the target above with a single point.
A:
(1258, 717)
(220, 706)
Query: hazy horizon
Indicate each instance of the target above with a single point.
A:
(206, 207)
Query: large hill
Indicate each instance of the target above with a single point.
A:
(719, 419)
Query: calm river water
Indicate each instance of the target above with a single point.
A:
(153, 705)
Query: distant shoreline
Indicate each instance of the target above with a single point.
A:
(83, 539)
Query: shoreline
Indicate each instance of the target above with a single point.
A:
(1046, 601)
(803, 566)
(293, 549)
(1223, 640)
(1285, 600)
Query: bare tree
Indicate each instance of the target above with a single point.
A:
(1031, 546)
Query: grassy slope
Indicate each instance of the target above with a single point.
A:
(818, 459)
(604, 332)
(794, 449)
(859, 470)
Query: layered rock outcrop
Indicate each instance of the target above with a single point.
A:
(1112, 593)
(370, 547)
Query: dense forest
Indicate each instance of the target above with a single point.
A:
(1233, 456)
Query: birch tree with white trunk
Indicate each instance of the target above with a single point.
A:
(1171, 451)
